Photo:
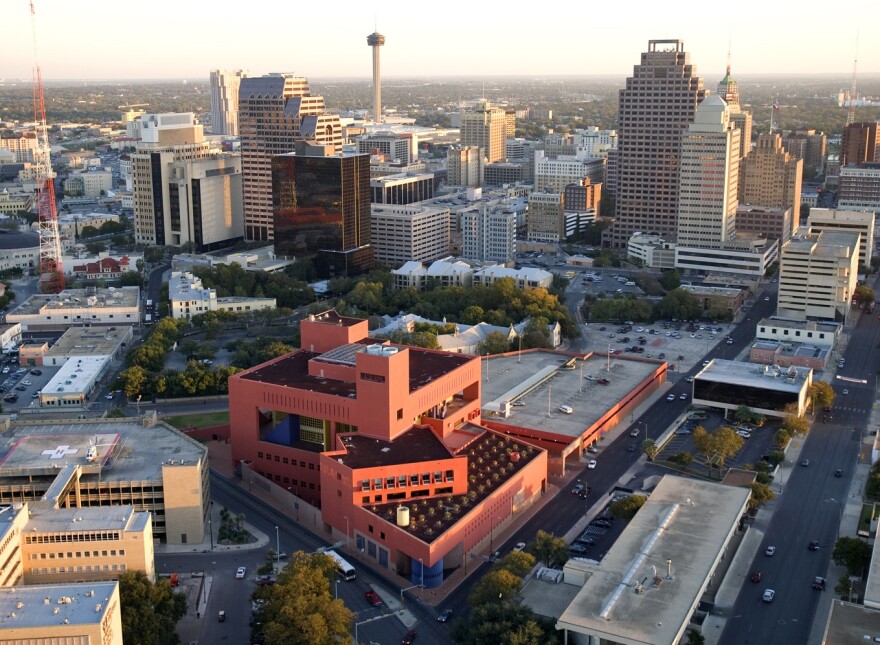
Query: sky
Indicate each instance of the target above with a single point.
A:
(185, 39)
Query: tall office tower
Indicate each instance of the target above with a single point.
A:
(321, 208)
(488, 234)
(509, 124)
(546, 218)
(485, 128)
(808, 145)
(658, 103)
(771, 177)
(183, 189)
(274, 112)
(859, 187)
(464, 166)
(708, 177)
(224, 100)
(396, 147)
(376, 40)
(729, 91)
(860, 144)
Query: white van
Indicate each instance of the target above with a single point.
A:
(566, 409)
(630, 284)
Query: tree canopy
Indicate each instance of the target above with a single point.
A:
(550, 549)
(150, 610)
(852, 553)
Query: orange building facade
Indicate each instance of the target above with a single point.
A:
(387, 440)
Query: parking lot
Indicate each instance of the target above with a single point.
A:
(20, 386)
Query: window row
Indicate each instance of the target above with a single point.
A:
(78, 554)
(401, 481)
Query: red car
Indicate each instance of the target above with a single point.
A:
(410, 638)
(757, 576)
(373, 598)
(603, 381)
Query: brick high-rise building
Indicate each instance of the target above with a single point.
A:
(771, 177)
(808, 145)
(274, 112)
(741, 119)
(486, 128)
(224, 100)
(658, 103)
(860, 144)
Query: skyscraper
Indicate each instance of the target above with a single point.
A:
(729, 91)
(771, 177)
(321, 206)
(708, 177)
(655, 108)
(376, 40)
(860, 144)
(224, 100)
(486, 128)
(275, 111)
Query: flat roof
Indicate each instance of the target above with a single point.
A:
(806, 325)
(415, 445)
(76, 375)
(708, 290)
(97, 341)
(537, 379)
(629, 596)
(127, 450)
(96, 518)
(769, 377)
(851, 624)
(73, 300)
(44, 605)
(183, 285)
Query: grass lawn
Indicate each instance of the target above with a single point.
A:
(865, 518)
(198, 420)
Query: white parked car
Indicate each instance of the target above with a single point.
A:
(745, 434)
(592, 464)
(241, 572)
(566, 409)
(670, 397)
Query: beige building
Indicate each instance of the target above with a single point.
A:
(708, 176)
(224, 100)
(807, 145)
(764, 221)
(84, 614)
(274, 111)
(112, 306)
(771, 177)
(485, 127)
(22, 147)
(862, 222)
(189, 298)
(403, 233)
(818, 272)
(465, 166)
(88, 341)
(546, 218)
(12, 203)
(109, 464)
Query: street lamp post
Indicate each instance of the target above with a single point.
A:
(645, 423)
(421, 574)
(277, 545)
(211, 531)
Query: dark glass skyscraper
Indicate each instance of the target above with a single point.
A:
(321, 209)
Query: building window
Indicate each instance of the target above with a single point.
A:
(400, 414)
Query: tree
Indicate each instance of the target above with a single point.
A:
(695, 638)
(96, 248)
(549, 548)
(843, 588)
(852, 553)
(761, 494)
(726, 443)
(822, 394)
(300, 608)
(678, 304)
(508, 623)
(131, 279)
(150, 610)
(87, 232)
(494, 343)
(650, 448)
(627, 507)
(497, 585)
(683, 459)
(153, 254)
(794, 423)
(670, 280)
(519, 563)
(863, 294)
(132, 380)
(781, 438)
(743, 414)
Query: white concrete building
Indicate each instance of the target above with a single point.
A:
(651, 251)
(859, 188)
(708, 177)
(402, 233)
(862, 222)
(75, 382)
(446, 273)
(488, 234)
(740, 257)
(189, 298)
(224, 100)
(766, 389)
(817, 275)
(821, 334)
(527, 278)
(552, 175)
(595, 142)
(111, 306)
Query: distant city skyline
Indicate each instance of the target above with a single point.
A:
(181, 40)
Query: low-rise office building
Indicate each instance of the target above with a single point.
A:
(766, 389)
(189, 298)
(813, 332)
(717, 301)
(75, 382)
(403, 233)
(52, 312)
(87, 341)
(861, 222)
(770, 352)
(446, 273)
(526, 278)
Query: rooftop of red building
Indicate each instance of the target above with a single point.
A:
(417, 444)
(493, 459)
(332, 318)
(292, 370)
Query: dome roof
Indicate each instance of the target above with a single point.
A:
(18, 240)
(728, 89)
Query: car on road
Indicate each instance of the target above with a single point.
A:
(373, 598)
(518, 403)
(683, 431)
(240, 573)
(670, 397)
(221, 616)
(444, 615)
(845, 392)
(819, 583)
(593, 449)
(109, 396)
(409, 638)
(603, 381)
(634, 432)
(519, 546)
(766, 298)
(805, 462)
(689, 379)
(757, 576)
(578, 488)
(744, 434)
(36, 372)
(705, 363)
(591, 464)
(631, 447)
(683, 396)
(20, 388)
(838, 473)
(770, 551)
(813, 545)
(769, 595)
(265, 581)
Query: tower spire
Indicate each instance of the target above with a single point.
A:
(851, 115)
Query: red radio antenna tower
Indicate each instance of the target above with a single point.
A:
(51, 272)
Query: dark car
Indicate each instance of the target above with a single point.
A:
(603, 523)
(410, 638)
(36, 372)
(819, 583)
(813, 545)
(444, 615)
(578, 549)
(757, 576)
(838, 473)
